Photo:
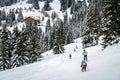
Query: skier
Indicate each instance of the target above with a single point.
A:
(83, 65)
(85, 54)
(70, 56)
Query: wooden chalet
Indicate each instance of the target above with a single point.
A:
(30, 20)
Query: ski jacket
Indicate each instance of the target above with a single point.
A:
(84, 53)
(83, 64)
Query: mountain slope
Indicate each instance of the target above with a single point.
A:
(102, 65)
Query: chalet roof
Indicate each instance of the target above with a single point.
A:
(34, 18)
(29, 17)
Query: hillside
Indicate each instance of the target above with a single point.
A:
(31, 27)
(37, 36)
(102, 65)
(29, 11)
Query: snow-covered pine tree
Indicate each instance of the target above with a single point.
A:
(92, 31)
(15, 37)
(46, 42)
(32, 48)
(6, 45)
(111, 30)
(20, 16)
(47, 6)
(48, 32)
(63, 4)
(36, 5)
(69, 3)
(30, 1)
(69, 36)
(10, 18)
(3, 14)
(54, 15)
(79, 18)
(7, 2)
(65, 27)
(58, 41)
(48, 26)
(49, 0)
(40, 42)
(20, 58)
(12, 15)
(52, 37)
(43, 43)
(58, 44)
(72, 7)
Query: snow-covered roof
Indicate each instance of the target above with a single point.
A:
(34, 17)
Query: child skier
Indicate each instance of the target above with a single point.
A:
(83, 65)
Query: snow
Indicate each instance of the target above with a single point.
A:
(102, 65)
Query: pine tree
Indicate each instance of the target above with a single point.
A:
(58, 41)
(6, 49)
(10, 18)
(47, 6)
(69, 35)
(20, 16)
(58, 44)
(63, 4)
(20, 56)
(48, 31)
(32, 43)
(52, 38)
(93, 29)
(30, 1)
(65, 27)
(111, 30)
(48, 26)
(72, 7)
(36, 5)
(13, 15)
(15, 37)
(3, 14)
(69, 3)
(7, 2)
(54, 15)
(78, 18)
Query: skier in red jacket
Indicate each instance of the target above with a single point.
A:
(83, 65)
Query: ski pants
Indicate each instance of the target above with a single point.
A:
(85, 58)
(83, 69)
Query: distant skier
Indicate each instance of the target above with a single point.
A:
(83, 65)
(70, 56)
(74, 50)
(85, 55)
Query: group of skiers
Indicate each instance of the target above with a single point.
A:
(84, 61)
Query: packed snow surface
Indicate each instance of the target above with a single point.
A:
(102, 65)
